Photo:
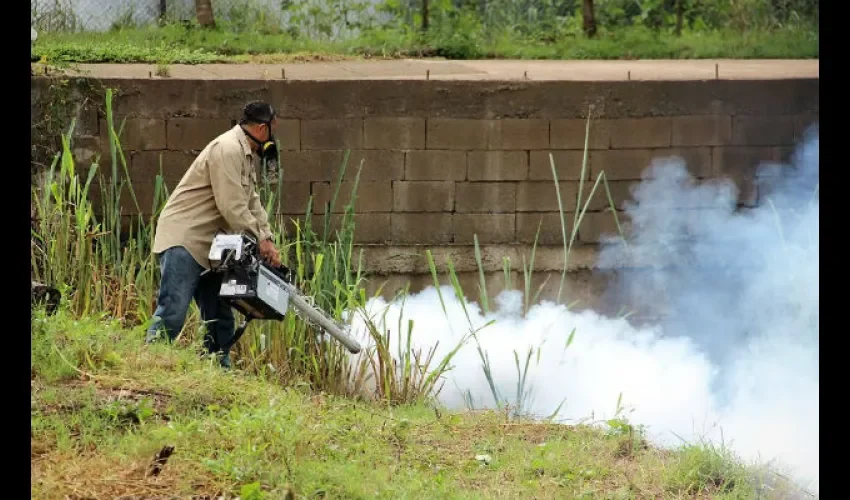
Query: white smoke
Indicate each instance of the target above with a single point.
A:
(735, 358)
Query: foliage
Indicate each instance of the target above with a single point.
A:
(524, 29)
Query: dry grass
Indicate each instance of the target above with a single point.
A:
(298, 57)
(72, 475)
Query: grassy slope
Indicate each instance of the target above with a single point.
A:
(103, 405)
(175, 44)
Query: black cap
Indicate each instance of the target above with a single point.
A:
(257, 112)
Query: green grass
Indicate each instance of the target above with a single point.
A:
(186, 45)
(103, 404)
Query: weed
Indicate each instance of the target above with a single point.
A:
(174, 44)
(523, 361)
(706, 469)
(162, 70)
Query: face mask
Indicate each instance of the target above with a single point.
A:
(268, 152)
(269, 155)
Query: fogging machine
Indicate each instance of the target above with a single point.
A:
(259, 290)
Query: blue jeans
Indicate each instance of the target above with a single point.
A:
(180, 283)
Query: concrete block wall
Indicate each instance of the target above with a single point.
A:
(444, 161)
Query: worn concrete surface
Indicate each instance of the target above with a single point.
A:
(436, 69)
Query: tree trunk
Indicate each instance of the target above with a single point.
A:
(589, 18)
(204, 13)
(680, 14)
(163, 9)
(424, 16)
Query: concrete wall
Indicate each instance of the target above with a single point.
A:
(446, 160)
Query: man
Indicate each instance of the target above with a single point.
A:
(217, 193)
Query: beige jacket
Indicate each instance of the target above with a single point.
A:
(218, 192)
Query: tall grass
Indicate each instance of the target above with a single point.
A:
(79, 246)
(523, 361)
(101, 261)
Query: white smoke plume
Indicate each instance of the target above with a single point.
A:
(735, 357)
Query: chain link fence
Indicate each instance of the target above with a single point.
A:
(341, 18)
(53, 16)
(316, 18)
(50, 16)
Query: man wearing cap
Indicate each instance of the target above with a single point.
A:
(217, 193)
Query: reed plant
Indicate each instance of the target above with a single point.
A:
(524, 393)
(81, 247)
(100, 258)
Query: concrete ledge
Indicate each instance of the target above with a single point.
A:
(582, 290)
(383, 260)
(438, 69)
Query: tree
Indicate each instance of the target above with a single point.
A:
(589, 18)
(424, 15)
(680, 14)
(204, 13)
